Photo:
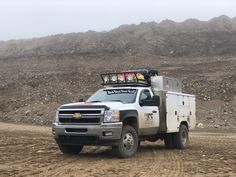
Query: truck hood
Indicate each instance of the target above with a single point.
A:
(105, 105)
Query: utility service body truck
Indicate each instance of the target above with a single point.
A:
(133, 106)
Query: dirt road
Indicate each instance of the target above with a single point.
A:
(31, 151)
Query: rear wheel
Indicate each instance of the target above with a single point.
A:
(70, 149)
(181, 139)
(128, 143)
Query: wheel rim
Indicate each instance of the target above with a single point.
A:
(128, 141)
(184, 137)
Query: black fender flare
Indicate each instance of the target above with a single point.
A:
(125, 114)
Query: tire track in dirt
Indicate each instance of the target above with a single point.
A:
(160, 162)
(56, 169)
(33, 153)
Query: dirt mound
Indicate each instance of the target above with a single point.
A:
(189, 38)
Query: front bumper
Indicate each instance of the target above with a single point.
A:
(104, 134)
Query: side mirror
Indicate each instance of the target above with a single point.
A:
(81, 100)
(156, 100)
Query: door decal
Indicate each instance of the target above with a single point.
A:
(148, 118)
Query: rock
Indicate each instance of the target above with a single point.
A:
(200, 125)
(27, 112)
(39, 114)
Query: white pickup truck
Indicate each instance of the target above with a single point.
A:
(132, 107)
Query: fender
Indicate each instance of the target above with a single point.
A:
(130, 114)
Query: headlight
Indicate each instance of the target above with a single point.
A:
(57, 117)
(112, 116)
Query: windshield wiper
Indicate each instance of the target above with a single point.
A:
(116, 101)
(96, 101)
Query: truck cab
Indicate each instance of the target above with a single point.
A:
(130, 108)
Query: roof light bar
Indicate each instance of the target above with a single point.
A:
(136, 77)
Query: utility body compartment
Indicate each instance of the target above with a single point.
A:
(166, 83)
(175, 108)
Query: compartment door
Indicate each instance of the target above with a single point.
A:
(172, 112)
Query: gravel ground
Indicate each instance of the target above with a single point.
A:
(31, 151)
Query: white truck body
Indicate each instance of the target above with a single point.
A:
(157, 111)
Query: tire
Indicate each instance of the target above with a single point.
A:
(169, 140)
(70, 149)
(181, 139)
(128, 144)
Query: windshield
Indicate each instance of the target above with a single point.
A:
(119, 95)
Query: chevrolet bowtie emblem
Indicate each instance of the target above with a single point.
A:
(77, 116)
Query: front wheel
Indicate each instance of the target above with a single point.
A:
(128, 143)
(181, 139)
(70, 149)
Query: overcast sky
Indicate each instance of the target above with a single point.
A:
(35, 18)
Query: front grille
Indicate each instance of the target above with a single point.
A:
(80, 111)
(87, 116)
(80, 121)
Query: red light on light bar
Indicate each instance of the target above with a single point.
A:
(130, 77)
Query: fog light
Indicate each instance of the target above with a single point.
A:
(107, 133)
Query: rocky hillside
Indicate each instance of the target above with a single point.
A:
(38, 75)
(189, 38)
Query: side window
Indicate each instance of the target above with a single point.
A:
(145, 95)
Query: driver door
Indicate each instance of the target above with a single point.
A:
(148, 115)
